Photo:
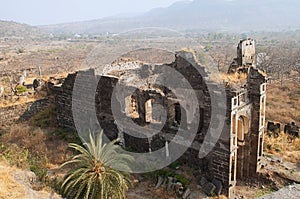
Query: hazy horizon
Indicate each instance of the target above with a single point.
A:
(35, 12)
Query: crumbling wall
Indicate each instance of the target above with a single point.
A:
(21, 112)
(239, 149)
(246, 57)
(63, 101)
(257, 91)
(246, 53)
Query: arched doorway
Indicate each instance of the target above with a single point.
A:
(243, 147)
(148, 110)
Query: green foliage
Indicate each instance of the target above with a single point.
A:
(278, 150)
(66, 134)
(20, 50)
(45, 118)
(14, 155)
(263, 192)
(21, 89)
(94, 174)
(22, 158)
(36, 166)
(175, 165)
(268, 155)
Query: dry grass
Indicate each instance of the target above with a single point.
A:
(231, 78)
(283, 102)
(284, 146)
(16, 101)
(38, 142)
(220, 197)
(27, 137)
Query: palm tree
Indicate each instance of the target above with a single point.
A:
(94, 176)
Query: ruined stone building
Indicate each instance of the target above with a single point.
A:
(246, 57)
(239, 148)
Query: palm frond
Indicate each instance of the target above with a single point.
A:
(95, 175)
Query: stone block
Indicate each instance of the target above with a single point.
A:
(218, 185)
(203, 181)
(209, 188)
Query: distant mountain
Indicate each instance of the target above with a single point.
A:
(14, 29)
(227, 15)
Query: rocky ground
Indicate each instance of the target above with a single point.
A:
(289, 192)
(21, 184)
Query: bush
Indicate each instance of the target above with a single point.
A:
(20, 50)
(21, 89)
(45, 118)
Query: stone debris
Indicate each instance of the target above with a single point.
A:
(160, 181)
(274, 128)
(203, 181)
(186, 194)
(218, 185)
(171, 183)
(39, 84)
(209, 188)
(289, 192)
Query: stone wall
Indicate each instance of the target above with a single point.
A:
(21, 112)
(236, 155)
(63, 101)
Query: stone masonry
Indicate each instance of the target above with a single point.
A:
(238, 151)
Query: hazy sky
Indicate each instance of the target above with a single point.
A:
(38, 12)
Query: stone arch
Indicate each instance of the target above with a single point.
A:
(243, 128)
(148, 110)
(243, 147)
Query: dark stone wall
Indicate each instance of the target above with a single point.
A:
(219, 163)
(63, 101)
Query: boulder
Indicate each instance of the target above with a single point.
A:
(218, 185)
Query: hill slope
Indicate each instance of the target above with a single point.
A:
(14, 29)
(229, 15)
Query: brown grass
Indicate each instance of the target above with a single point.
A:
(231, 78)
(283, 102)
(16, 101)
(284, 146)
(27, 137)
(38, 142)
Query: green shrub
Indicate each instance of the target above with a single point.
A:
(175, 165)
(21, 89)
(20, 50)
(45, 118)
(66, 135)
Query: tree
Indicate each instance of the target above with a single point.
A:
(94, 176)
(265, 60)
(279, 60)
(222, 54)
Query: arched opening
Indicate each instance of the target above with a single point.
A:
(148, 111)
(131, 106)
(177, 114)
(242, 151)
